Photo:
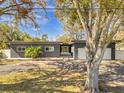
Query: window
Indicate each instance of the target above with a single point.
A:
(20, 48)
(49, 48)
(64, 49)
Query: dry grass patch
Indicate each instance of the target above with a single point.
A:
(44, 81)
(8, 62)
(53, 78)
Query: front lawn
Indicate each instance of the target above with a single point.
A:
(57, 77)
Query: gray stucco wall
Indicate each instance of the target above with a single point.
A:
(83, 44)
(16, 54)
(76, 46)
(56, 52)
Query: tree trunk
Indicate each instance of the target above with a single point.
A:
(93, 63)
(92, 78)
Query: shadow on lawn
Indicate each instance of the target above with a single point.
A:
(57, 80)
(62, 80)
(113, 78)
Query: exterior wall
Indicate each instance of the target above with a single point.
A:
(6, 53)
(83, 44)
(107, 54)
(57, 51)
(119, 54)
(76, 46)
(81, 53)
(16, 54)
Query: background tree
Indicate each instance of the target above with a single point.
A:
(36, 39)
(101, 19)
(64, 38)
(21, 9)
(26, 37)
(44, 37)
(8, 34)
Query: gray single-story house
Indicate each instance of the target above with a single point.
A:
(57, 49)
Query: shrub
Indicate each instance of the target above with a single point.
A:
(33, 52)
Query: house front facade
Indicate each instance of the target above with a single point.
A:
(78, 48)
(57, 49)
(49, 49)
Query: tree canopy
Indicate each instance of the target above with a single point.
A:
(44, 37)
(64, 38)
(101, 19)
(8, 34)
(112, 10)
(22, 9)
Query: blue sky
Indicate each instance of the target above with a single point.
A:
(50, 26)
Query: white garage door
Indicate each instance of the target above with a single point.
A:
(119, 54)
(81, 53)
(107, 54)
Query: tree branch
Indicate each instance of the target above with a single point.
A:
(82, 19)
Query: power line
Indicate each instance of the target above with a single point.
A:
(59, 8)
